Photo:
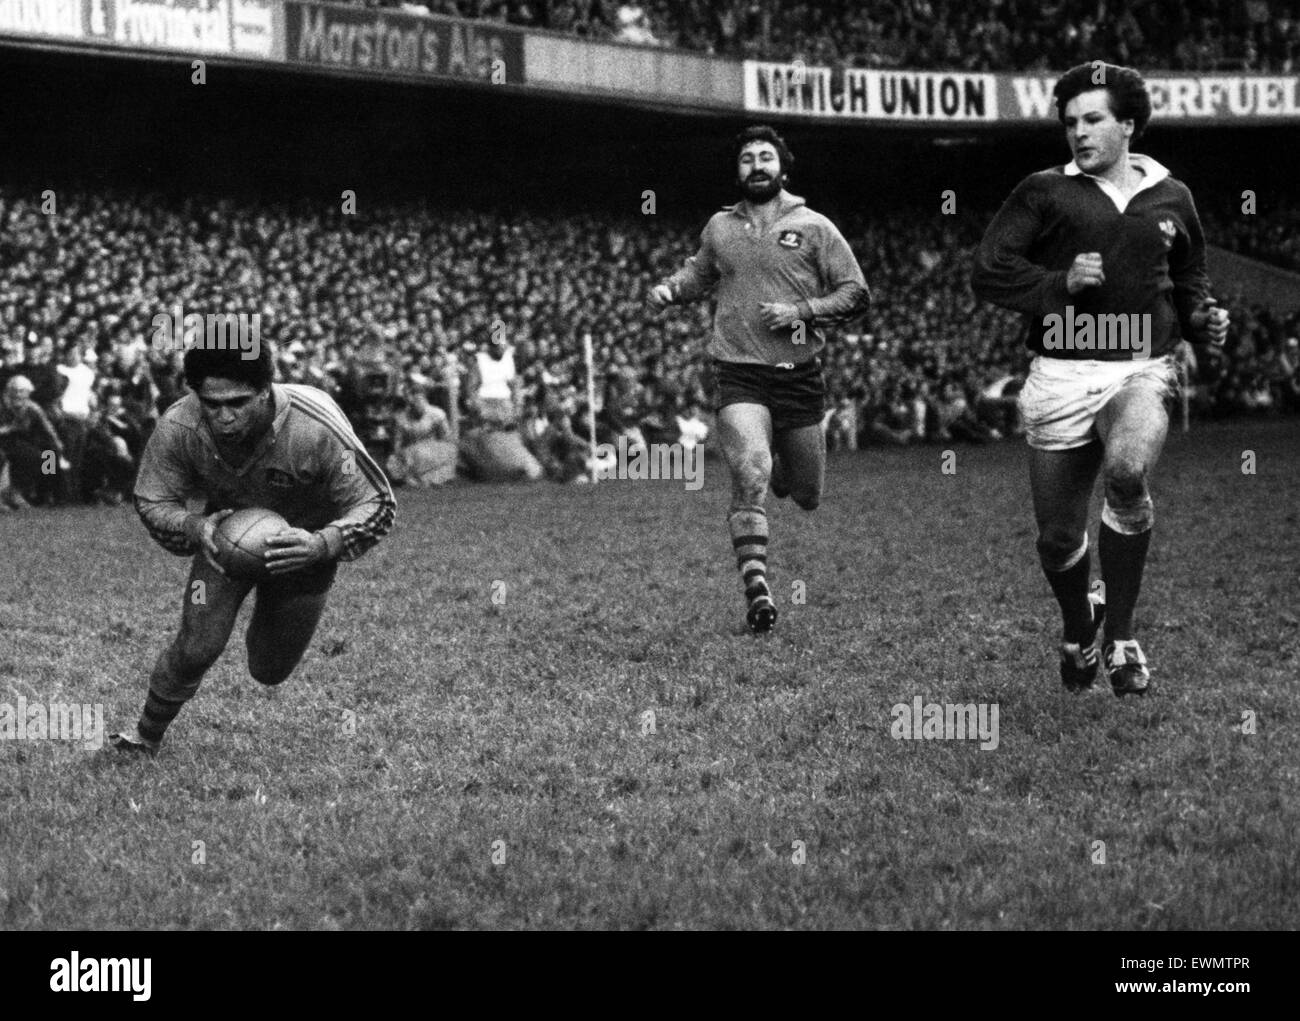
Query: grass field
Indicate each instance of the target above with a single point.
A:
(478, 721)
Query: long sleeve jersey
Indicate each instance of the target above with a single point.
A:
(310, 468)
(802, 260)
(1152, 249)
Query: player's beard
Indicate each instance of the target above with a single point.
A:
(761, 194)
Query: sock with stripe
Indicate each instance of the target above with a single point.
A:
(170, 688)
(158, 715)
(1070, 586)
(748, 527)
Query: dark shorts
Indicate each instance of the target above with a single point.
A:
(316, 580)
(796, 398)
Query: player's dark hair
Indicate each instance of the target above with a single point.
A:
(1129, 99)
(229, 363)
(763, 133)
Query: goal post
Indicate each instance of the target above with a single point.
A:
(590, 358)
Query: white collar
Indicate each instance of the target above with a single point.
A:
(1152, 171)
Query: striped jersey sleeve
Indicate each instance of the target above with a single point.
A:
(356, 484)
(164, 482)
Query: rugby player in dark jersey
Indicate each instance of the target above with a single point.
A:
(1106, 259)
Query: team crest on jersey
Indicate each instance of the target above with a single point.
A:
(278, 479)
(790, 239)
(1168, 229)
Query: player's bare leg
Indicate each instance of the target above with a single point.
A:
(1061, 482)
(780, 488)
(802, 454)
(285, 617)
(746, 434)
(1133, 425)
(209, 608)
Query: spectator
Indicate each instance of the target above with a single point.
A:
(31, 446)
(494, 384)
(550, 436)
(691, 426)
(842, 425)
(955, 420)
(976, 35)
(998, 406)
(414, 281)
(420, 419)
(425, 454)
(75, 406)
(1287, 377)
(891, 422)
(634, 26)
(112, 452)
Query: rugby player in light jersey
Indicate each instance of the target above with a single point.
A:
(780, 272)
(1110, 234)
(240, 440)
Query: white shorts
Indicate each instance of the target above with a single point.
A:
(1062, 397)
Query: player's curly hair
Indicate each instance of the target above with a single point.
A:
(763, 133)
(1129, 98)
(229, 363)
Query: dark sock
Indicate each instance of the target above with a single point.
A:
(157, 716)
(1071, 590)
(1123, 558)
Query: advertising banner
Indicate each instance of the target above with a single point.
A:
(44, 19)
(391, 43)
(934, 97)
(796, 89)
(243, 28)
(1181, 97)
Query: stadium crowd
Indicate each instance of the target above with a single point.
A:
(972, 35)
(395, 311)
(1272, 234)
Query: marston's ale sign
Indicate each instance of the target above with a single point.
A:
(388, 43)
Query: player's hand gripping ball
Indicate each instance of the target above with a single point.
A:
(241, 542)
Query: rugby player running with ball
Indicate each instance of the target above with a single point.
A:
(240, 440)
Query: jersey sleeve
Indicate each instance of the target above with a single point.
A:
(42, 424)
(357, 487)
(162, 485)
(1002, 274)
(701, 273)
(1187, 269)
(847, 296)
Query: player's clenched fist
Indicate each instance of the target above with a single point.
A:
(777, 315)
(1085, 271)
(660, 296)
(1211, 322)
